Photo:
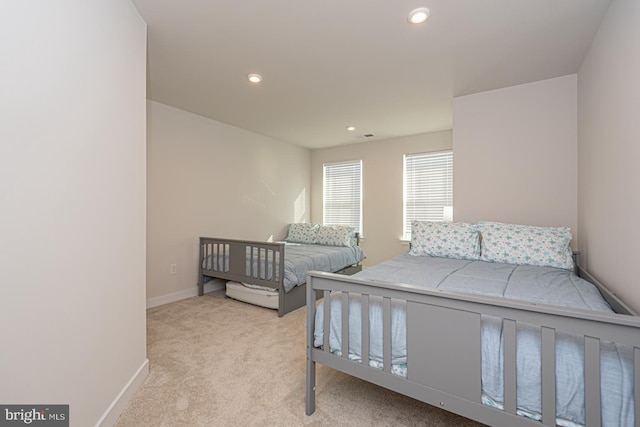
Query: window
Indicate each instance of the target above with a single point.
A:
(342, 194)
(428, 188)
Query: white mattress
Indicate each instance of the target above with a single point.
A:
(261, 297)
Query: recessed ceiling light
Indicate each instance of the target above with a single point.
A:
(254, 78)
(351, 128)
(419, 15)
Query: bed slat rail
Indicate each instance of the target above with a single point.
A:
(509, 336)
(345, 325)
(386, 335)
(636, 382)
(548, 376)
(241, 261)
(592, 380)
(444, 369)
(365, 326)
(327, 318)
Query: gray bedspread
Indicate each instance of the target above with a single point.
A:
(299, 259)
(527, 283)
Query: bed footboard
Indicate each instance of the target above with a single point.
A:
(443, 340)
(258, 263)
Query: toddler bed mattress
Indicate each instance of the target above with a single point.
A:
(263, 297)
(546, 285)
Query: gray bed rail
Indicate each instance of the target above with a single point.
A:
(444, 348)
(609, 296)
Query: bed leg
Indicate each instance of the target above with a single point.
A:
(200, 286)
(311, 387)
(201, 268)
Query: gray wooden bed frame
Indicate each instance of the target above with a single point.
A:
(261, 255)
(444, 350)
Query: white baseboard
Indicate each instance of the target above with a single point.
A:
(213, 285)
(119, 404)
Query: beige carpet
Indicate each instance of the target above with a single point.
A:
(219, 362)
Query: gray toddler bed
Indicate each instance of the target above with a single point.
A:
(258, 263)
(503, 344)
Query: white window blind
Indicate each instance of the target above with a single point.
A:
(342, 194)
(428, 187)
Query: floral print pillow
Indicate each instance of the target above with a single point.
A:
(445, 239)
(526, 244)
(335, 235)
(302, 232)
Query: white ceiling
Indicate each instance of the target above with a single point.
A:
(332, 63)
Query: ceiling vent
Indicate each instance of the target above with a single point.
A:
(366, 135)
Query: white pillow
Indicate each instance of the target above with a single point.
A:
(526, 244)
(335, 235)
(445, 239)
(302, 232)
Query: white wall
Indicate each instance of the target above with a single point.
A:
(206, 178)
(515, 154)
(382, 187)
(609, 151)
(72, 191)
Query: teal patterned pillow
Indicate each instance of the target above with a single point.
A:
(526, 244)
(335, 235)
(445, 239)
(302, 232)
